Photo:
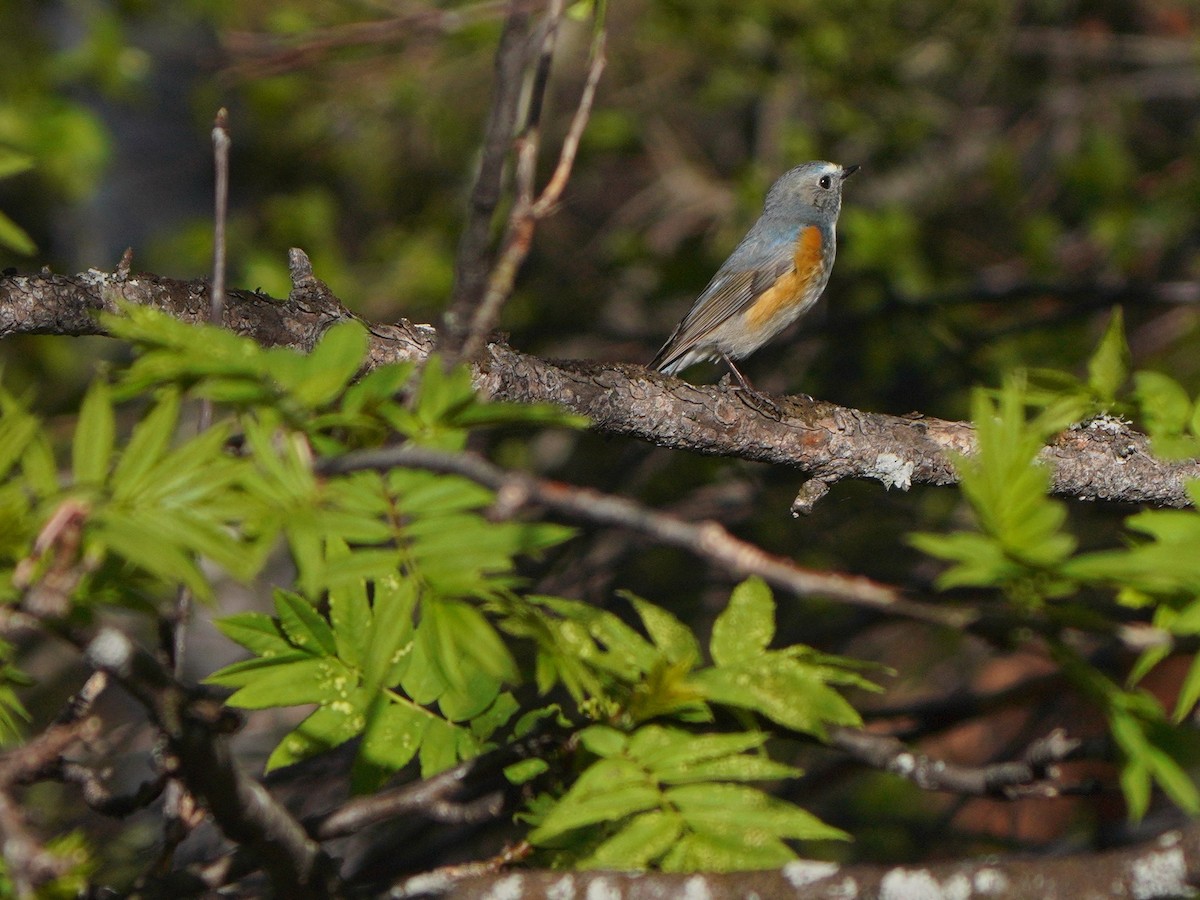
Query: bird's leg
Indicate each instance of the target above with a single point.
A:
(754, 397)
(737, 373)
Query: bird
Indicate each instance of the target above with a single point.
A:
(772, 277)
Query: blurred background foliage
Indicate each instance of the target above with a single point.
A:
(1025, 166)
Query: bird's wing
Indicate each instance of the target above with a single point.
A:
(730, 293)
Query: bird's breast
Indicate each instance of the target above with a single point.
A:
(796, 290)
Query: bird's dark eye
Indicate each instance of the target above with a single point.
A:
(825, 181)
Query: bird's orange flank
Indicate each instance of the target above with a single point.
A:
(791, 288)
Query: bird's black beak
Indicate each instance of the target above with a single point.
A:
(848, 171)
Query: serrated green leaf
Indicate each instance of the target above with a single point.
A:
(1136, 786)
(13, 162)
(670, 636)
(390, 645)
(644, 839)
(781, 689)
(726, 853)
(1165, 405)
(476, 639)
(439, 749)
(129, 536)
(603, 740)
(670, 750)
(495, 717)
(1174, 781)
(576, 811)
(15, 238)
(720, 808)
(349, 611)
(333, 362)
(526, 770)
(256, 632)
(293, 683)
(17, 429)
(326, 728)
(91, 451)
(304, 626)
(392, 738)
(500, 413)
(478, 690)
(747, 625)
(149, 441)
(424, 679)
(240, 674)
(1108, 367)
(378, 386)
(1189, 691)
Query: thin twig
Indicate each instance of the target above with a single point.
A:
(1035, 775)
(242, 807)
(257, 56)
(472, 791)
(707, 539)
(472, 262)
(528, 210)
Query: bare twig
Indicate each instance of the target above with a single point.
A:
(473, 791)
(243, 809)
(221, 144)
(708, 539)
(28, 864)
(528, 210)
(255, 56)
(1033, 776)
(472, 262)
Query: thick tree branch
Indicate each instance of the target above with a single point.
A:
(1156, 870)
(1101, 460)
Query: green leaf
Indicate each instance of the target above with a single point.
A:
(640, 842)
(1189, 691)
(727, 853)
(13, 162)
(1109, 366)
(326, 728)
(1136, 786)
(295, 682)
(95, 432)
(495, 717)
(603, 740)
(747, 625)
(1175, 782)
(782, 689)
(18, 428)
(720, 808)
(476, 639)
(615, 790)
(1165, 406)
(256, 632)
(305, 627)
(439, 749)
(392, 738)
(332, 363)
(672, 637)
(15, 238)
(390, 646)
(149, 441)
